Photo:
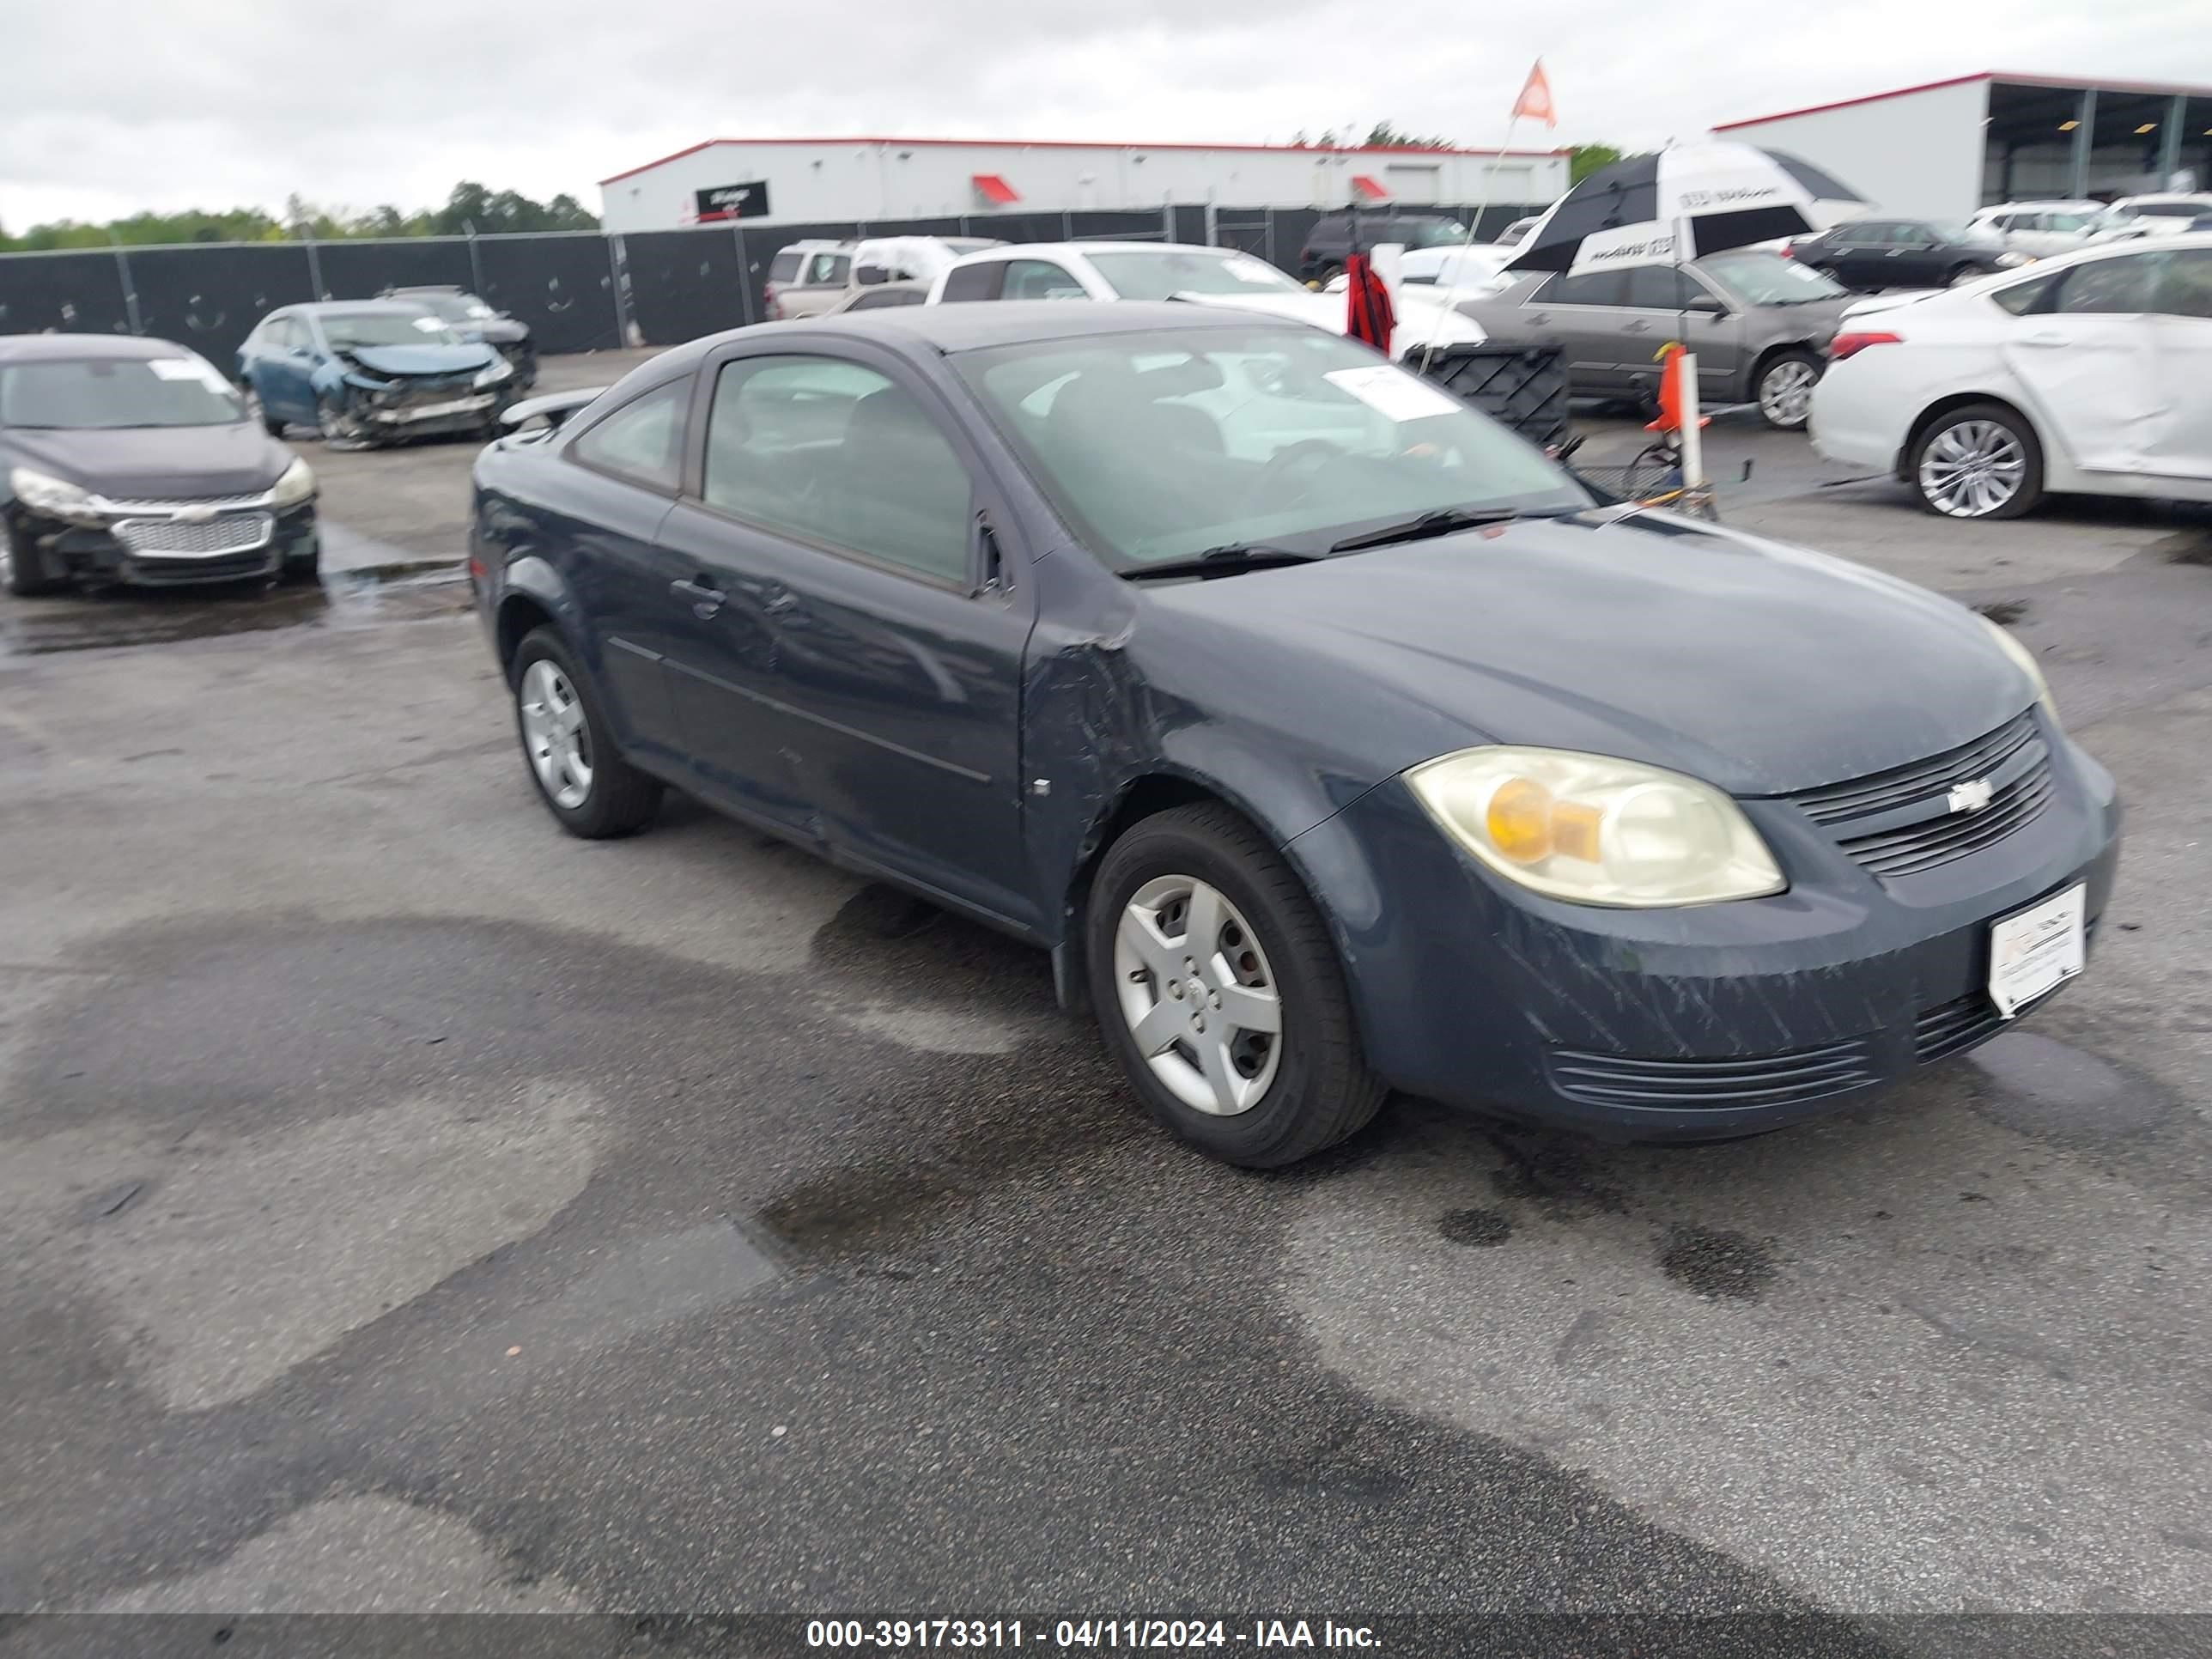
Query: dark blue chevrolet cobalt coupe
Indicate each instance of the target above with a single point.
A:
(1331, 739)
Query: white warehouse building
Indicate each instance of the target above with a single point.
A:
(1941, 150)
(799, 180)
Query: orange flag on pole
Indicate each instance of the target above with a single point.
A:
(1536, 100)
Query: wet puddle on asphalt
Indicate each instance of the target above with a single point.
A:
(402, 590)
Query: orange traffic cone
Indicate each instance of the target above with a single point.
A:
(1670, 392)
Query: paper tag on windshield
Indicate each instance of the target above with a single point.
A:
(188, 368)
(1391, 392)
(431, 325)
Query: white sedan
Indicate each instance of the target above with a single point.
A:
(2090, 374)
(1175, 270)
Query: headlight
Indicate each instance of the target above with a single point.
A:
(2028, 665)
(2015, 259)
(1595, 829)
(55, 496)
(496, 373)
(297, 485)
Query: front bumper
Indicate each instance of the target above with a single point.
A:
(155, 545)
(1694, 1024)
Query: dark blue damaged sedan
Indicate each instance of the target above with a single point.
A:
(1331, 739)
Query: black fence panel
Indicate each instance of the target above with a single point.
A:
(361, 270)
(209, 298)
(562, 286)
(1290, 229)
(1118, 225)
(1190, 225)
(1019, 227)
(683, 284)
(1251, 229)
(949, 226)
(61, 293)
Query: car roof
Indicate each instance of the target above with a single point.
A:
(57, 347)
(1023, 250)
(322, 307)
(950, 329)
(422, 288)
(2016, 207)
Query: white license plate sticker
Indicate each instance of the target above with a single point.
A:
(2035, 951)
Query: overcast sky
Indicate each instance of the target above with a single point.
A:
(110, 106)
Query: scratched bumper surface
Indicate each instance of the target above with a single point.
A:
(1471, 990)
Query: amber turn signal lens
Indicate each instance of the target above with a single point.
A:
(1520, 820)
(1575, 826)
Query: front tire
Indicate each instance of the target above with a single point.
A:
(1978, 461)
(259, 411)
(569, 749)
(1784, 390)
(28, 575)
(1216, 989)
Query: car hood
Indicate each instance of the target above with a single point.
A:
(1761, 668)
(1419, 317)
(421, 359)
(154, 462)
(1813, 318)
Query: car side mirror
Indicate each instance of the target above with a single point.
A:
(1705, 305)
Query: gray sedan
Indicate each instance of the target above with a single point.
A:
(1759, 323)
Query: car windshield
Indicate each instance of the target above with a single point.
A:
(1161, 445)
(1159, 274)
(1768, 279)
(117, 392)
(348, 329)
(1429, 233)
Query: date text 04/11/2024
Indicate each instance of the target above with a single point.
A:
(896, 1634)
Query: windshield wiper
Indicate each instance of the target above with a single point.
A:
(1229, 560)
(1441, 522)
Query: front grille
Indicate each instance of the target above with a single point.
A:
(236, 533)
(1955, 1025)
(1901, 822)
(1715, 1084)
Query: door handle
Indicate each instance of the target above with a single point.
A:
(1634, 328)
(705, 601)
(2045, 338)
(1541, 317)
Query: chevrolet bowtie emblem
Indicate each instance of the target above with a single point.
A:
(1971, 796)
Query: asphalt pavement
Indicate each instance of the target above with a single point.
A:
(407, 1207)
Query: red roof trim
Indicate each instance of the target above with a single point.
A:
(1997, 76)
(1079, 143)
(1846, 103)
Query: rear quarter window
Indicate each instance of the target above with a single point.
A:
(784, 266)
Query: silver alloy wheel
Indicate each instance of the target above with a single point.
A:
(1971, 470)
(1785, 391)
(554, 732)
(1199, 995)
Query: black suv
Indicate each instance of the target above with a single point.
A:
(1330, 239)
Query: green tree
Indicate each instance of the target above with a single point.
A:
(1584, 159)
(1383, 136)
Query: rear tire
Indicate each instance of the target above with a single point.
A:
(603, 796)
(1274, 1098)
(1784, 390)
(1963, 463)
